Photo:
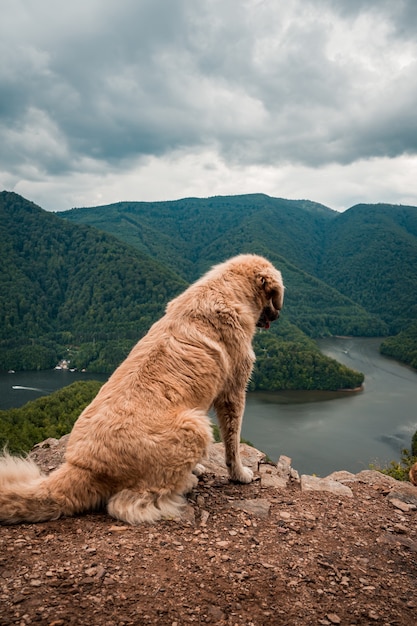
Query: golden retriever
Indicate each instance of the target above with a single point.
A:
(136, 445)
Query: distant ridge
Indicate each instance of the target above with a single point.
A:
(363, 253)
(87, 291)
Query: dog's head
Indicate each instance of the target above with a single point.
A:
(255, 280)
(270, 290)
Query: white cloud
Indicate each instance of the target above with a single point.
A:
(153, 100)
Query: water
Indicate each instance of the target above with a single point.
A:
(321, 431)
(21, 387)
(325, 431)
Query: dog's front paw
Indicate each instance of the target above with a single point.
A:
(242, 475)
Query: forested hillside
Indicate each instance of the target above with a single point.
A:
(73, 291)
(403, 347)
(192, 234)
(351, 273)
(370, 254)
(62, 285)
(50, 416)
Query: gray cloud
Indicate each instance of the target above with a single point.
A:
(91, 85)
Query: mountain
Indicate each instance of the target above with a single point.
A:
(65, 284)
(370, 255)
(72, 291)
(192, 234)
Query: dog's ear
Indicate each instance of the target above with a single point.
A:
(273, 288)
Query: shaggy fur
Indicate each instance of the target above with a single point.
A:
(135, 446)
(413, 474)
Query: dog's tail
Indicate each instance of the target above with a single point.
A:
(27, 495)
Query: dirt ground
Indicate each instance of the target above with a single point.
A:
(242, 555)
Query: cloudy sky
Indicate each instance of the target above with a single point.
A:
(110, 100)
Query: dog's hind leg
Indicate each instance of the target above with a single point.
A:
(135, 507)
(167, 475)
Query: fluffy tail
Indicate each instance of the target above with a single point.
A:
(27, 495)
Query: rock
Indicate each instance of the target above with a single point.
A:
(215, 463)
(403, 506)
(49, 454)
(284, 466)
(258, 507)
(215, 613)
(405, 492)
(342, 476)
(285, 470)
(372, 477)
(333, 618)
(270, 477)
(278, 476)
(390, 539)
(313, 483)
(204, 517)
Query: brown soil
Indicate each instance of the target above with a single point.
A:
(313, 558)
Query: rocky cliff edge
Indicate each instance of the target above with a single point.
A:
(286, 549)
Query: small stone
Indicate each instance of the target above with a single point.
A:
(119, 529)
(373, 615)
(90, 571)
(215, 613)
(333, 618)
(402, 506)
(270, 478)
(399, 528)
(341, 476)
(187, 516)
(313, 483)
(258, 507)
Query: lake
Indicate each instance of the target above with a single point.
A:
(325, 431)
(21, 387)
(321, 431)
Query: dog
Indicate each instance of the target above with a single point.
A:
(134, 448)
(413, 474)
